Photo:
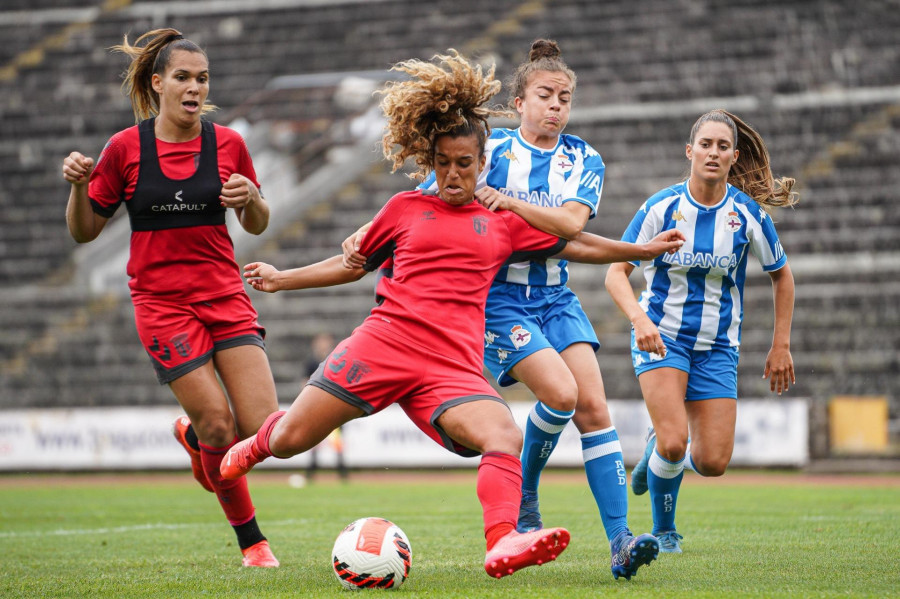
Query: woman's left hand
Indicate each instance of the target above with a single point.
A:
(238, 192)
(780, 365)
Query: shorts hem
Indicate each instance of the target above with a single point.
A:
(167, 375)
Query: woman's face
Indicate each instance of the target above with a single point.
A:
(457, 163)
(545, 108)
(712, 152)
(183, 87)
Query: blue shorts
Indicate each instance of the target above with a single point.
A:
(712, 373)
(520, 320)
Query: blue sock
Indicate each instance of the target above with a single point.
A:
(663, 481)
(605, 471)
(542, 431)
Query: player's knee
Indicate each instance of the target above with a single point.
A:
(672, 449)
(507, 439)
(562, 397)
(710, 465)
(214, 431)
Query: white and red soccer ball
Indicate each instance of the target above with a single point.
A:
(371, 553)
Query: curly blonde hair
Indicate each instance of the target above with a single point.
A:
(148, 59)
(752, 173)
(447, 96)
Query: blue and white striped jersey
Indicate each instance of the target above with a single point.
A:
(695, 295)
(570, 172)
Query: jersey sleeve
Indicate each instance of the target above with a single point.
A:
(586, 185)
(645, 225)
(234, 145)
(529, 243)
(764, 242)
(379, 242)
(106, 188)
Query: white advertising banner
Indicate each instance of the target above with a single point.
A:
(768, 433)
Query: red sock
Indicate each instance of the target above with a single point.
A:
(499, 490)
(261, 445)
(233, 495)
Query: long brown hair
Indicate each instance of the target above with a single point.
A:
(544, 55)
(446, 96)
(150, 55)
(752, 172)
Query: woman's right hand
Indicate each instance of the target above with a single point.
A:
(647, 336)
(77, 168)
(262, 276)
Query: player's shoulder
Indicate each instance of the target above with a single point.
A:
(665, 196)
(501, 133)
(121, 143)
(128, 136)
(227, 135)
(744, 201)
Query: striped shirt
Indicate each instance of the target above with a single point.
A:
(695, 295)
(570, 172)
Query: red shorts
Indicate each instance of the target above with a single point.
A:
(182, 337)
(374, 368)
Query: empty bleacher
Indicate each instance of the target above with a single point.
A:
(63, 346)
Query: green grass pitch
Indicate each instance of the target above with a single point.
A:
(746, 535)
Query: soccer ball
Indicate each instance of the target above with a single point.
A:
(371, 553)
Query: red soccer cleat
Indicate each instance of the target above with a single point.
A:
(520, 550)
(259, 556)
(240, 459)
(179, 429)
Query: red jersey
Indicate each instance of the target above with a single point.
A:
(178, 261)
(444, 261)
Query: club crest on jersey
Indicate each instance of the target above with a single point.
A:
(480, 223)
(732, 223)
(520, 336)
(563, 163)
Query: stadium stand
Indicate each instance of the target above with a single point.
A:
(819, 80)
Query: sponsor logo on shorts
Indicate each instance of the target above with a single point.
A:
(160, 351)
(489, 337)
(335, 364)
(502, 354)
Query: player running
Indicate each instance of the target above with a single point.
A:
(686, 328)
(177, 174)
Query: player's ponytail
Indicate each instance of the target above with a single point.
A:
(544, 55)
(150, 55)
(752, 172)
(447, 96)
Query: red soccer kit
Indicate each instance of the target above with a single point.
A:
(422, 345)
(186, 287)
(181, 263)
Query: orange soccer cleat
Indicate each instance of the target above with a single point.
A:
(240, 459)
(259, 556)
(179, 430)
(520, 550)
